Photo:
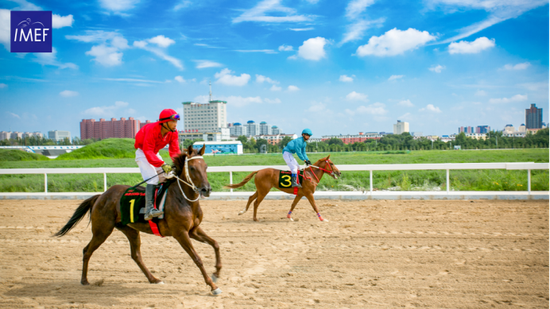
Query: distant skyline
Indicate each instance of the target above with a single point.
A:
(335, 67)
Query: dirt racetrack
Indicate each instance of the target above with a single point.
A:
(372, 254)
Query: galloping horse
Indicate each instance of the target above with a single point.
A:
(182, 217)
(268, 178)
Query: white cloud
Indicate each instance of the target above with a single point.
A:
(395, 77)
(519, 66)
(275, 88)
(105, 55)
(203, 64)
(182, 4)
(51, 59)
(5, 20)
(480, 93)
(535, 86)
(437, 68)
(179, 79)
(117, 6)
(346, 79)
(261, 79)
(395, 42)
(355, 96)
(59, 21)
(108, 52)
(516, 98)
(373, 109)
(259, 13)
(356, 30)
(313, 49)
(274, 101)
(161, 41)
(317, 107)
(406, 103)
(464, 47)
(224, 77)
(301, 29)
(2, 86)
(106, 111)
(292, 88)
(133, 80)
(430, 108)
(14, 115)
(68, 93)
(239, 101)
(285, 48)
(267, 51)
(356, 7)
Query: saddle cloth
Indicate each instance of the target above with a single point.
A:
(284, 179)
(132, 204)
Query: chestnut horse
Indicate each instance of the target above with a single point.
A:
(182, 217)
(268, 178)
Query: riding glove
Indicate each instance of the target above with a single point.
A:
(166, 168)
(307, 162)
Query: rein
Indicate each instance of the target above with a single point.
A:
(189, 181)
(331, 172)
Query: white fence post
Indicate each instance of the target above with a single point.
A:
(370, 181)
(529, 181)
(104, 182)
(448, 182)
(231, 180)
(45, 183)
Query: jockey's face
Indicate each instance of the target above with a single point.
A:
(172, 124)
(306, 137)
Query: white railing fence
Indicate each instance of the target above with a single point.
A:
(528, 166)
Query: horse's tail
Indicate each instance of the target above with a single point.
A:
(242, 183)
(79, 213)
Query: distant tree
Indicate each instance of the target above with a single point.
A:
(284, 141)
(335, 141)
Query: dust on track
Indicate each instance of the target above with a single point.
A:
(439, 254)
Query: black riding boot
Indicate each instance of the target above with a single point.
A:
(150, 211)
(295, 182)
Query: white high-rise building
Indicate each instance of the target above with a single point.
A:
(400, 127)
(252, 128)
(204, 118)
(237, 129)
(265, 129)
(276, 130)
(59, 135)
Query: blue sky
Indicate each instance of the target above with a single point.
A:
(337, 67)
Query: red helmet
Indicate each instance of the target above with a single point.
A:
(167, 115)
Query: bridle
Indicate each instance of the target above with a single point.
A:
(331, 172)
(189, 181)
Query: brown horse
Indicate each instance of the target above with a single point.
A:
(268, 178)
(182, 217)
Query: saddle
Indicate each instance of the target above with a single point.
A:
(132, 204)
(285, 176)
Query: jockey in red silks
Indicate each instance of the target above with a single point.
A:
(149, 140)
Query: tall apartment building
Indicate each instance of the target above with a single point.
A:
(482, 129)
(207, 117)
(252, 128)
(102, 129)
(265, 129)
(4, 135)
(237, 129)
(467, 130)
(59, 135)
(276, 130)
(533, 117)
(400, 127)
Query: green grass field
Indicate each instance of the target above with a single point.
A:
(468, 180)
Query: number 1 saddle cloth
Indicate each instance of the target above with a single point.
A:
(132, 203)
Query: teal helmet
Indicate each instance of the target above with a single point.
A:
(307, 131)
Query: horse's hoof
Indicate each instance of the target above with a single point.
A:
(160, 282)
(240, 213)
(216, 292)
(214, 278)
(85, 282)
(291, 219)
(324, 220)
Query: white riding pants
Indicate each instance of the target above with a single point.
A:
(291, 162)
(148, 170)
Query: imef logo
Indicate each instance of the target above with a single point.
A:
(31, 32)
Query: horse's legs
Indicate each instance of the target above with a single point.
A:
(198, 234)
(261, 196)
(100, 234)
(183, 238)
(135, 245)
(250, 200)
(294, 203)
(312, 202)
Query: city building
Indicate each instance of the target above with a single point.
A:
(59, 136)
(205, 117)
(275, 139)
(221, 135)
(16, 135)
(478, 136)
(510, 131)
(265, 129)
(354, 138)
(237, 129)
(102, 129)
(252, 128)
(219, 147)
(533, 117)
(400, 127)
(483, 129)
(5, 135)
(276, 130)
(468, 129)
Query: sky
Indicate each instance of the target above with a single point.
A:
(336, 67)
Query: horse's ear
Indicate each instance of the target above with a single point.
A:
(201, 152)
(328, 157)
(190, 150)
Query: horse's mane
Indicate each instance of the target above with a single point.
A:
(179, 161)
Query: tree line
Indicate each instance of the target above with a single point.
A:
(43, 141)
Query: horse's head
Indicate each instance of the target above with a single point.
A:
(190, 166)
(328, 167)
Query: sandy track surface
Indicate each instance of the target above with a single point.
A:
(372, 254)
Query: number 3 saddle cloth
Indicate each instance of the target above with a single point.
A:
(284, 179)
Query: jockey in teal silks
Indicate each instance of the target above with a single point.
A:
(297, 146)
